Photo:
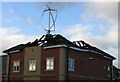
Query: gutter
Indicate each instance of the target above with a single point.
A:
(67, 64)
(9, 57)
(111, 71)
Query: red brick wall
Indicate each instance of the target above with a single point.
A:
(13, 57)
(92, 68)
(54, 74)
(0, 79)
(83, 66)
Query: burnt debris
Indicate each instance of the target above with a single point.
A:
(51, 40)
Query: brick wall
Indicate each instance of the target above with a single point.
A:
(14, 57)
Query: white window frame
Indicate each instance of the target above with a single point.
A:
(32, 65)
(50, 63)
(16, 66)
(71, 64)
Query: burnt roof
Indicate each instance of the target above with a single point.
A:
(18, 47)
(50, 40)
(115, 68)
(59, 39)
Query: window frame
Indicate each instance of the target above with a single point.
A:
(71, 64)
(51, 65)
(15, 66)
(108, 69)
(31, 65)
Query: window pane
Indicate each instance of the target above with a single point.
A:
(73, 64)
(14, 64)
(30, 68)
(34, 64)
(13, 68)
(70, 64)
(48, 62)
(51, 63)
(34, 68)
(47, 67)
(17, 68)
(51, 67)
(18, 64)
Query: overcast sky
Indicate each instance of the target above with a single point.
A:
(94, 22)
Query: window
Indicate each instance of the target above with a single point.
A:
(16, 66)
(71, 64)
(32, 65)
(108, 68)
(109, 73)
(49, 63)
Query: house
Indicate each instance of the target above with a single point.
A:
(116, 74)
(0, 68)
(53, 57)
(3, 67)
